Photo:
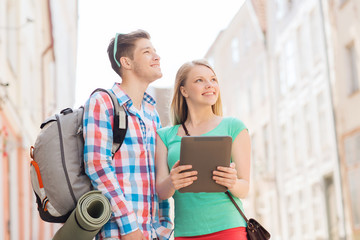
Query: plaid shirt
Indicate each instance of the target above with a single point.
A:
(128, 180)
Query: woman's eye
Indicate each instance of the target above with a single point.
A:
(198, 80)
(214, 80)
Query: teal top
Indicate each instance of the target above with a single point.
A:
(203, 213)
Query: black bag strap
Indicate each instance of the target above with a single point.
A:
(254, 228)
(120, 121)
(237, 207)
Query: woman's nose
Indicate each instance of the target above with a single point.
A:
(209, 84)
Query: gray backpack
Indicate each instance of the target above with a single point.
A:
(57, 170)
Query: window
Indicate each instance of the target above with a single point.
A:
(235, 50)
(295, 137)
(316, 31)
(342, 2)
(243, 39)
(267, 146)
(248, 37)
(261, 80)
(353, 77)
(250, 102)
(300, 49)
(281, 73)
(304, 46)
(243, 97)
(308, 130)
(289, 4)
(317, 207)
(254, 155)
(304, 212)
(280, 8)
(12, 48)
(211, 61)
(331, 208)
(352, 150)
(352, 155)
(291, 212)
(284, 147)
(290, 63)
(353, 179)
(322, 120)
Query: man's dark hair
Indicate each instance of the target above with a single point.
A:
(125, 47)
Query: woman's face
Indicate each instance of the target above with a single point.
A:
(201, 86)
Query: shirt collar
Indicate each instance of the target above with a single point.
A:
(125, 99)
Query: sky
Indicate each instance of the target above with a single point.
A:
(180, 31)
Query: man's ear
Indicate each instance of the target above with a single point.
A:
(183, 91)
(125, 62)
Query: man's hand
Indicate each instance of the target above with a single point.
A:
(137, 235)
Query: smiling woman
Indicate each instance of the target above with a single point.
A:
(197, 111)
(180, 31)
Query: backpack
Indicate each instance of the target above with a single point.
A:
(57, 170)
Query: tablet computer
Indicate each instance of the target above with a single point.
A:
(205, 154)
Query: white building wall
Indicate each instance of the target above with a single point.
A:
(28, 65)
(64, 17)
(296, 188)
(240, 60)
(345, 42)
(307, 150)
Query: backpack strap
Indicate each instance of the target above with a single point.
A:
(120, 121)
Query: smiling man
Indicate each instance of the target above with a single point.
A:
(127, 179)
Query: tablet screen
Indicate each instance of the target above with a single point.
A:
(205, 153)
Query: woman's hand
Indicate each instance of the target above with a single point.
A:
(180, 179)
(226, 176)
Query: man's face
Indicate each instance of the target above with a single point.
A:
(146, 62)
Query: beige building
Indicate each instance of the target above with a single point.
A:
(308, 171)
(344, 38)
(38, 42)
(277, 78)
(240, 60)
(163, 97)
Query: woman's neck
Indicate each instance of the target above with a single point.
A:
(198, 117)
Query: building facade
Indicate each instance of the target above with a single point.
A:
(278, 78)
(344, 38)
(240, 60)
(163, 97)
(38, 42)
(308, 164)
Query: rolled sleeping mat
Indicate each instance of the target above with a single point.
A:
(92, 211)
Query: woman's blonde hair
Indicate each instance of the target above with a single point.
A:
(179, 108)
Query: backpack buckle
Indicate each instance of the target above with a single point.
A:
(66, 111)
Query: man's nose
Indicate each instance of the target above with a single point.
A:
(156, 56)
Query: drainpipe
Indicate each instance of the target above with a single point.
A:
(333, 111)
(49, 48)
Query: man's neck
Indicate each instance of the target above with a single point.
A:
(135, 90)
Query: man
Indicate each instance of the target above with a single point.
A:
(127, 179)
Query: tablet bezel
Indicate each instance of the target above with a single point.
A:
(203, 153)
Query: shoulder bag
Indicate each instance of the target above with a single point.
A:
(254, 229)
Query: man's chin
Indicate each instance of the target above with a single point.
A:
(158, 75)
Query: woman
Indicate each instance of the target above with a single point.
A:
(196, 110)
